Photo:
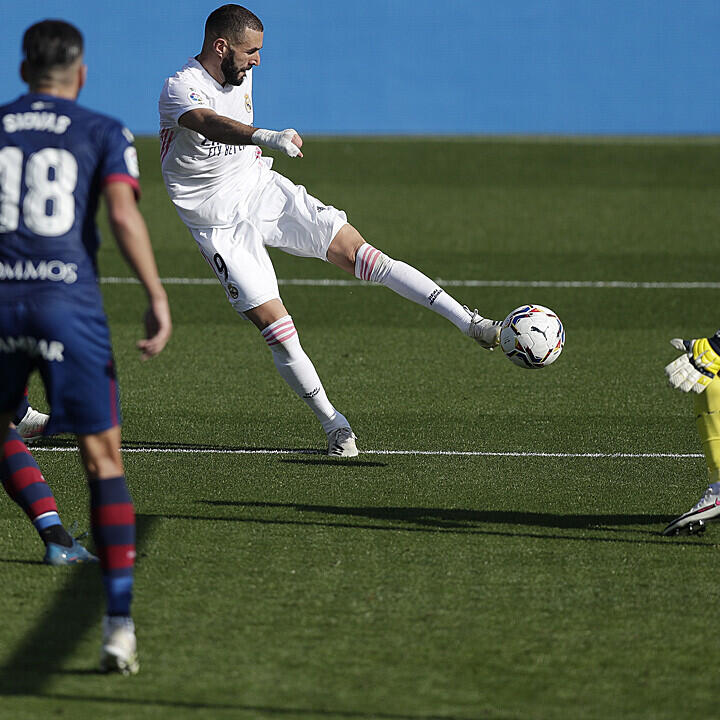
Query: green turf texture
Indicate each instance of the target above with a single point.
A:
(408, 587)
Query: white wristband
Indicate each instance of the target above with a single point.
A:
(277, 140)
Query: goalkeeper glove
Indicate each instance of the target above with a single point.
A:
(279, 140)
(697, 367)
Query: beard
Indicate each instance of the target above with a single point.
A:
(234, 75)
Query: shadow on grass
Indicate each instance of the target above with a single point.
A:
(599, 528)
(62, 442)
(252, 710)
(76, 608)
(443, 518)
(346, 463)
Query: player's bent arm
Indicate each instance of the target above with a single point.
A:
(222, 129)
(130, 231)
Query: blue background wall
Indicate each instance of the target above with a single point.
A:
(416, 66)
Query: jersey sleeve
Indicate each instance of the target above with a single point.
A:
(119, 159)
(177, 98)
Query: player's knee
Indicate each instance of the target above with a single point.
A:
(104, 466)
(101, 454)
(371, 264)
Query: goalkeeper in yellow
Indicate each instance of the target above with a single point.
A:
(697, 369)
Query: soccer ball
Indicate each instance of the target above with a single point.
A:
(532, 336)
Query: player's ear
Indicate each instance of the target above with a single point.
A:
(82, 76)
(24, 72)
(220, 46)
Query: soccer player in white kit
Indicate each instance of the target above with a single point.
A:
(235, 206)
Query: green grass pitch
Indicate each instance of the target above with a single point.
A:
(408, 586)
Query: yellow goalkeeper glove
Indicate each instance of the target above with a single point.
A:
(697, 367)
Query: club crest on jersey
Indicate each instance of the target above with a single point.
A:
(195, 96)
(248, 104)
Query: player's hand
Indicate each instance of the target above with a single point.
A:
(158, 327)
(696, 368)
(288, 141)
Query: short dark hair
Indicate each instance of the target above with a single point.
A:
(231, 21)
(51, 44)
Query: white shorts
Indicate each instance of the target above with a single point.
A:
(280, 214)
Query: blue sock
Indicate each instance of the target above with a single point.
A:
(112, 519)
(119, 591)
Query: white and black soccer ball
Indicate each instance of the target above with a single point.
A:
(532, 336)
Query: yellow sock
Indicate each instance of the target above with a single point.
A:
(707, 420)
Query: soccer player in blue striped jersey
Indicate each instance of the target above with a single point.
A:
(56, 160)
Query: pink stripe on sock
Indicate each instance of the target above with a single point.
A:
(273, 330)
(280, 332)
(276, 326)
(367, 248)
(276, 341)
(285, 332)
(370, 265)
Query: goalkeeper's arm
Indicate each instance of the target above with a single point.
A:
(697, 366)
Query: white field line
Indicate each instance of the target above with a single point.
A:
(436, 453)
(518, 138)
(327, 282)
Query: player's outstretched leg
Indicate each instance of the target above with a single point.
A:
(350, 252)
(296, 368)
(113, 527)
(707, 509)
(25, 484)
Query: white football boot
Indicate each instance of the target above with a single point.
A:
(483, 330)
(341, 443)
(32, 426)
(119, 648)
(694, 521)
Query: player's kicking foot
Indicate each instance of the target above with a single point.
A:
(76, 554)
(341, 443)
(32, 426)
(483, 330)
(119, 648)
(694, 521)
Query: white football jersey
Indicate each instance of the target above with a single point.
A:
(207, 181)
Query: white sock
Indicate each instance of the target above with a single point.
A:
(374, 266)
(299, 373)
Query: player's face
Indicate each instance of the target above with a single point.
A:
(241, 56)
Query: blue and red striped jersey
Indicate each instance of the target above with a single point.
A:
(55, 158)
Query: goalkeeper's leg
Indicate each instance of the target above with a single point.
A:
(350, 252)
(707, 508)
(707, 420)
